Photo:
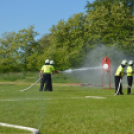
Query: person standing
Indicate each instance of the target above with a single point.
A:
(45, 75)
(54, 71)
(53, 68)
(118, 76)
(129, 76)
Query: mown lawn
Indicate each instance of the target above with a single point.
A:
(66, 110)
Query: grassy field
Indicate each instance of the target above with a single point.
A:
(33, 76)
(66, 110)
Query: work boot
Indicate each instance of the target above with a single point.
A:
(121, 93)
(128, 91)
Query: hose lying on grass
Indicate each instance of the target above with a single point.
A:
(33, 130)
(31, 85)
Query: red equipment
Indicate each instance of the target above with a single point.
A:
(106, 69)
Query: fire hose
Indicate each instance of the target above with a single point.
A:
(31, 85)
(118, 88)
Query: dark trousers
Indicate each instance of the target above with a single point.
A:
(117, 82)
(48, 82)
(130, 82)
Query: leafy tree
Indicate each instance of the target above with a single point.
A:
(45, 50)
(27, 45)
(68, 39)
(108, 22)
(111, 23)
(8, 52)
(16, 48)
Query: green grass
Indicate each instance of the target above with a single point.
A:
(33, 76)
(66, 110)
(11, 76)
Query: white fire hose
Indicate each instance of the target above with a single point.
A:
(31, 85)
(118, 88)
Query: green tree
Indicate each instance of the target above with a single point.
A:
(45, 50)
(68, 39)
(8, 52)
(27, 46)
(111, 23)
(16, 49)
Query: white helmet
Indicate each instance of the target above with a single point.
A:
(124, 62)
(47, 61)
(51, 62)
(130, 62)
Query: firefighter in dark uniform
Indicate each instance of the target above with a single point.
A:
(129, 76)
(54, 71)
(118, 76)
(45, 75)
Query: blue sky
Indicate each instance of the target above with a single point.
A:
(18, 14)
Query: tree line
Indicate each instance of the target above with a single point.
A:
(107, 22)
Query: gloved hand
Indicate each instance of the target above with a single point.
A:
(56, 71)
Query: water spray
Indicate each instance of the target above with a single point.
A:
(81, 69)
(105, 68)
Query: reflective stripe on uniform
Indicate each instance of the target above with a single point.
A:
(119, 70)
(129, 71)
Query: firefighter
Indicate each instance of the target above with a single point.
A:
(53, 72)
(129, 76)
(118, 76)
(52, 64)
(45, 75)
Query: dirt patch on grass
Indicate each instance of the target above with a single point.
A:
(14, 83)
(7, 83)
(29, 83)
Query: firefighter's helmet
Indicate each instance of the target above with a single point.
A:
(124, 62)
(52, 62)
(47, 61)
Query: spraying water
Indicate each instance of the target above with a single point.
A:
(82, 69)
